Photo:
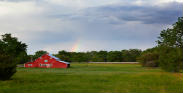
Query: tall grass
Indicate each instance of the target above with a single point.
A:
(94, 78)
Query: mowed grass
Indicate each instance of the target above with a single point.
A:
(94, 78)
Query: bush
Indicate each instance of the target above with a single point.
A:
(7, 67)
(149, 59)
(171, 59)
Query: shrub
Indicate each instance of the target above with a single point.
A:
(7, 67)
(171, 59)
(149, 59)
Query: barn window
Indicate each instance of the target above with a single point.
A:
(45, 60)
(47, 65)
(29, 64)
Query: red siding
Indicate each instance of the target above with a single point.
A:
(46, 61)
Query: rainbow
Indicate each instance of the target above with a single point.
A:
(75, 47)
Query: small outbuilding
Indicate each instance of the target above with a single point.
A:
(47, 61)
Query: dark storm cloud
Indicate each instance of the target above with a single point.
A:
(164, 14)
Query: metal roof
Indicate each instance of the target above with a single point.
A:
(56, 58)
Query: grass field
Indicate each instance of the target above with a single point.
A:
(94, 78)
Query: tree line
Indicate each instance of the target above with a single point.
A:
(94, 56)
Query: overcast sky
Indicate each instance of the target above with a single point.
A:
(86, 25)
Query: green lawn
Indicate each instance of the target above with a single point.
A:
(94, 78)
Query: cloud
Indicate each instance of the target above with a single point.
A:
(166, 14)
(55, 25)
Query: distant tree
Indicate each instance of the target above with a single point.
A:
(130, 55)
(126, 55)
(79, 57)
(30, 58)
(64, 55)
(114, 56)
(11, 51)
(149, 57)
(98, 56)
(93, 56)
(134, 54)
(102, 56)
(38, 54)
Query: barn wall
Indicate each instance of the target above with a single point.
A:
(46, 61)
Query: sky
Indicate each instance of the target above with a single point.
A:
(87, 25)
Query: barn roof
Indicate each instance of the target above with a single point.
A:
(56, 58)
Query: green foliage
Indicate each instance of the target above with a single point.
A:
(149, 58)
(11, 46)
(170, 59)
(130, 55)
(64, 55)
(11, 51)
(114, 56)
(172, 37)
(79, 57)
(22, 58)
(38, 54)
(171, 43)
(93, 57)
(100, 56)
(7, 66)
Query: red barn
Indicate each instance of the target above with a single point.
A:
(47, 61)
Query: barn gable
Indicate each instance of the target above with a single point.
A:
(48, 61)
(58, 59)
